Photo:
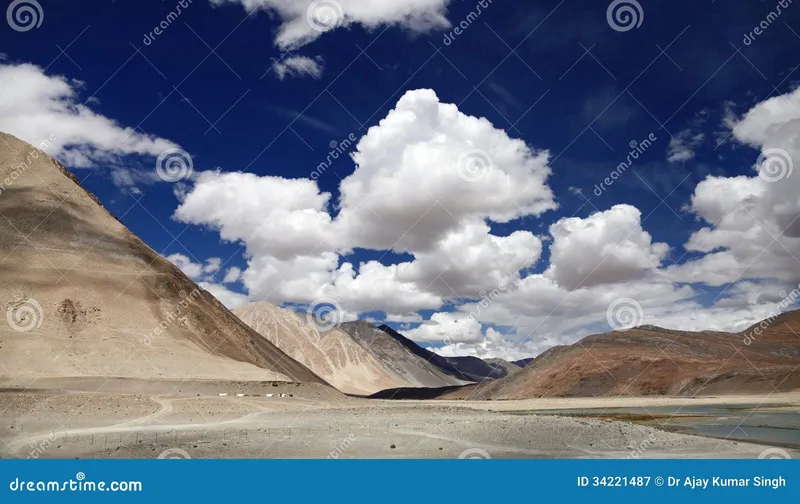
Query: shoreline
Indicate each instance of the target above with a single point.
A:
(138, 424)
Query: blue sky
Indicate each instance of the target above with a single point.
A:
(555, 75)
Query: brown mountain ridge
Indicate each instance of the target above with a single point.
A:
(650, 360)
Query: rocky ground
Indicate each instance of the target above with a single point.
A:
(148, 419)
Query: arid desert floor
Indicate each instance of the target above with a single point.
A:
(116, 418)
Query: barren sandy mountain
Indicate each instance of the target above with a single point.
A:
(359, 358)
(415, 366)
(466, 368)
(654, 361)
(334, 355)
(83, 296)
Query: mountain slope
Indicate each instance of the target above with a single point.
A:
(85, 297)
(411, 363)
(467, 368)
(508, 367)
(333, 355)
(650, 360)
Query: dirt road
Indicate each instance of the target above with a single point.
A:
(199, 423)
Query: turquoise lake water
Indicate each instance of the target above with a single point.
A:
(768, 424)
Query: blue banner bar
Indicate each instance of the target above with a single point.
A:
(401, 481)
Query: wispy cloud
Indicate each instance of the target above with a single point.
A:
(298, 66)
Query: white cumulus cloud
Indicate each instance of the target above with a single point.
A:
(606, 247)
(427, 167)
(233, 275)
(37, 107)
(752, 226)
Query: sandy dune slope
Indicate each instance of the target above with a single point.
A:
(83, 296)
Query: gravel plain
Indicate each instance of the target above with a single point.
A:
(99, 418)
